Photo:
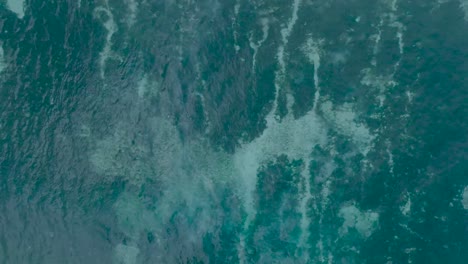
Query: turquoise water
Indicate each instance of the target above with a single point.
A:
(180, 131)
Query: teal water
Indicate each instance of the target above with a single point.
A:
(233, 131)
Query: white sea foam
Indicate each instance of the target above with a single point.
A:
(406, 208)
(187, 175)
(377, 37)
(293, 137)
(124, 254)
(464, 7)
(371, 78)
(257, 45)
(397, 24)
(132, 216)
(400, 28)
(410, 96)
(133, 9)
(305, 199)
(234, 26)
(142, 86)
(285, 33)
(392, 21)
(296, 138)
(325, 178)
(391, 162)
(2, 59)
(364, 222)
(111, 28)
(379, 82)
(16, 6)
(344, 120)
(465, 198)
(313, 52)
(393, 5)
(339, 57)
(189, 172)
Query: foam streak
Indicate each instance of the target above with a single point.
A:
(285, 33)
(16, 6)
(313, 54)
(256, 46)
(111, 28)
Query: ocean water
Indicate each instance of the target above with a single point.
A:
(233, 131)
